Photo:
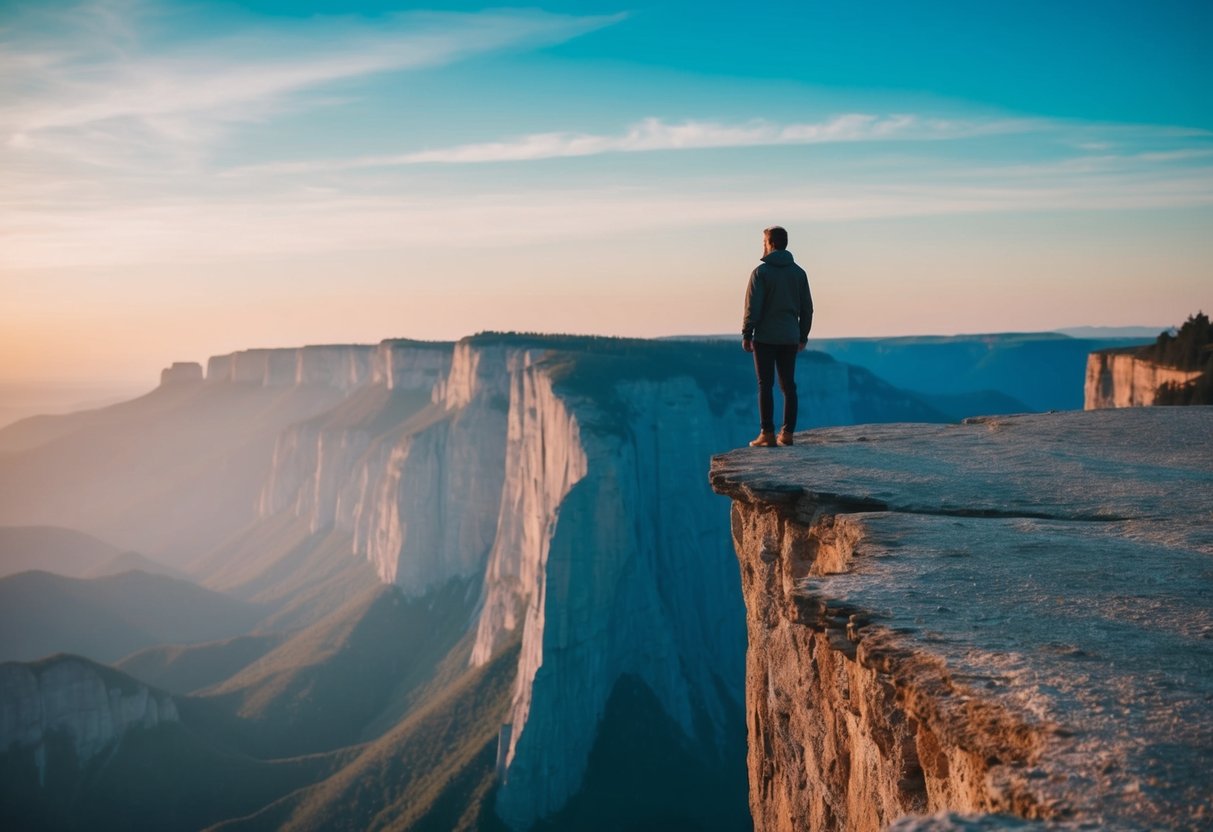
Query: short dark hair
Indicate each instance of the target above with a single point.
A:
(777, 236)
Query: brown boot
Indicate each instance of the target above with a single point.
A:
(766, 439)
(785, 437)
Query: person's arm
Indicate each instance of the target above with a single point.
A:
(806, 311)
(753, 310)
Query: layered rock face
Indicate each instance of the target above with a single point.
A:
(393, 363)
(1117, 378)
(1010, 615)
(413, 466)
(605, 561)
(90, 705)
(181, 372)
(565, 474)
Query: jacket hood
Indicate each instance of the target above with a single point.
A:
(779, 257)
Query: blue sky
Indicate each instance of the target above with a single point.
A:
(190, 178)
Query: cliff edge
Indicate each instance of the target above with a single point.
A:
(1012, 615)
(1122, 378)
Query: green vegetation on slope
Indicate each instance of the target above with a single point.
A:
(182, 669)
(297, 575)
(323, 687)
(433, 771)
(1190, 349)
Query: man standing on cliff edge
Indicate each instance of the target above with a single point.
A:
(778, 317)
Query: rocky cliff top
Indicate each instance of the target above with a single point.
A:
(1060, 565)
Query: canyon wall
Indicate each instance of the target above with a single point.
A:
(963, 620)
(88, 705)
(394, 363)
(557, 476)
(564, 472)
(1118, 378)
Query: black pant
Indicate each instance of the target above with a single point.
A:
(770, 359)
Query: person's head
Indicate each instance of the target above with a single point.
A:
(774, 238)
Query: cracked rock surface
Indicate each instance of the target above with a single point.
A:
(991, 623)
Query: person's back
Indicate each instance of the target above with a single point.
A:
(778, 300)
(775, 326)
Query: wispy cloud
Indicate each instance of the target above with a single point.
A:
(311, 221)
(653, 134)
(80, 77)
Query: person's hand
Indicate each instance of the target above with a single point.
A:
(748, 346)
(803, 344)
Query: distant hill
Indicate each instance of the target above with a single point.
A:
(68, 552)
(1118, 332)
(52, 549)
(108, 618)
(185, 668)
(977, 375)
(1044, 371)
(169, 474)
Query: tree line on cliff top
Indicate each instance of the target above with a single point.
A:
(1191, 348)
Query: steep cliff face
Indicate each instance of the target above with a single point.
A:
(393, 363)
(313, 459)
(965, 619)
(564, 474)
(89, 705)
(606, 561)
(412, 465)
(1121, 379)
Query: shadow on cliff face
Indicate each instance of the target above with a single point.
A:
(643, 766)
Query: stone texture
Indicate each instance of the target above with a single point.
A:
(393, 363)
(1011, 615)
(1118, 378)
(91, 704)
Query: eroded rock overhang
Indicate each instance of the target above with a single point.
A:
(1011, 615)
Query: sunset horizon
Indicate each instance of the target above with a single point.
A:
(187, 180)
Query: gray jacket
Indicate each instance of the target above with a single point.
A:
(778, 305)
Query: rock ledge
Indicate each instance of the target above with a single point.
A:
(1012, 615)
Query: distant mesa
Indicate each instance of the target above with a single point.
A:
(182, 372)
(393, 362)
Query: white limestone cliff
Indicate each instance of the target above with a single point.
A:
(394, 363)
(92, 706)
(627, 572)
(420, 495)
(181, 372)
(579, 498)
(1121, 379)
